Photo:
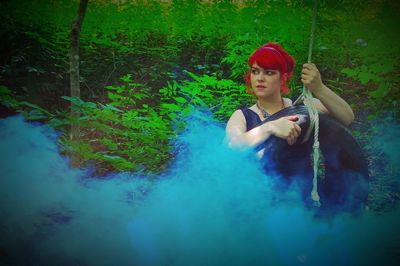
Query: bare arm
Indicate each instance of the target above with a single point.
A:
(284, 127)
(330, 101)
(237, 135)
(335, 105)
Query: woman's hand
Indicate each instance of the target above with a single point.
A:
(286, 128)
(311, 78)
(329, 102)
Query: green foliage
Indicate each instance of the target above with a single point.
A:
(364, 49)
(238, 51)
(155, 39)
(128, 133)
(124, 134)
(186, 56)
(7, 99)
(220, 96)
(377, 138)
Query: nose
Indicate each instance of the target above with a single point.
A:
(260, 77)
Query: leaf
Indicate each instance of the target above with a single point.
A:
(110, 107)
(172, 116)
(36, 107)
(349, 72)
(109, 144)
(127, 78)
(365, 77)
(187, 110)
(110, 88)
(381, 92)
(74, 100)
(56, 122)
(180, 99)
(4, 90)
(170, 107)
(36, 114)
(117, 89)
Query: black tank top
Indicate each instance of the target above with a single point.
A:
(252, 118)
(252, 121)
(286, 169)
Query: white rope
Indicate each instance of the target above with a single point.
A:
(314, 124)
(314, 118)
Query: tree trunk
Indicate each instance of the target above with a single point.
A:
(74, 72)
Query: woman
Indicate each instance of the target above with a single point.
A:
(343, 186)
(270, 69)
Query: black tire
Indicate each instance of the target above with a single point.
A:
(344, 186)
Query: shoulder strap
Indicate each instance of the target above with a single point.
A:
(252, 119)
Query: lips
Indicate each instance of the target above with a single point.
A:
(260, 87)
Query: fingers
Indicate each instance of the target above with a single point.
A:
(306, 71)
(286, 128)
(306, 80)
(297, 129)
(309, 72)
(290, 140)
(309, 66)
(309, 69)
(293, 134)
(311, 77)
(307, 76)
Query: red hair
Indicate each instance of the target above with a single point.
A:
(272, 56)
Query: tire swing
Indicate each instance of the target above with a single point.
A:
(344, 184)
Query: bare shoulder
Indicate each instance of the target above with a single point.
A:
(287, 102)
(236, 117)
(236, 123)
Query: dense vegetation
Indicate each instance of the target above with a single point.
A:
(145, 65)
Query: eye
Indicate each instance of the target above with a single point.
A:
(255, 71)
(269, 72)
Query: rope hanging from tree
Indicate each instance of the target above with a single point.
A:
(307, 97)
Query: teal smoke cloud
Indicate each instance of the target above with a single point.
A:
(214, 206)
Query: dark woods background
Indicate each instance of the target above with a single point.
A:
(145, 65)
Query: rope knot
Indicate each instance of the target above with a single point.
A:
(316, 145)
(315, 198)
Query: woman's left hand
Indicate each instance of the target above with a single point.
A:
(311, 78)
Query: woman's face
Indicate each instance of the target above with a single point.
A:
(265, 82)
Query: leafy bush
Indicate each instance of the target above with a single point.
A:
(126, 133)
(123, 134)
(207, 92)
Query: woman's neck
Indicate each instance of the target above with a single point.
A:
(271, 104)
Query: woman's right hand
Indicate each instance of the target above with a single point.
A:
(286, 128)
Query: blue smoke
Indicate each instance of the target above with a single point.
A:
(386, 139)
(215, 206)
